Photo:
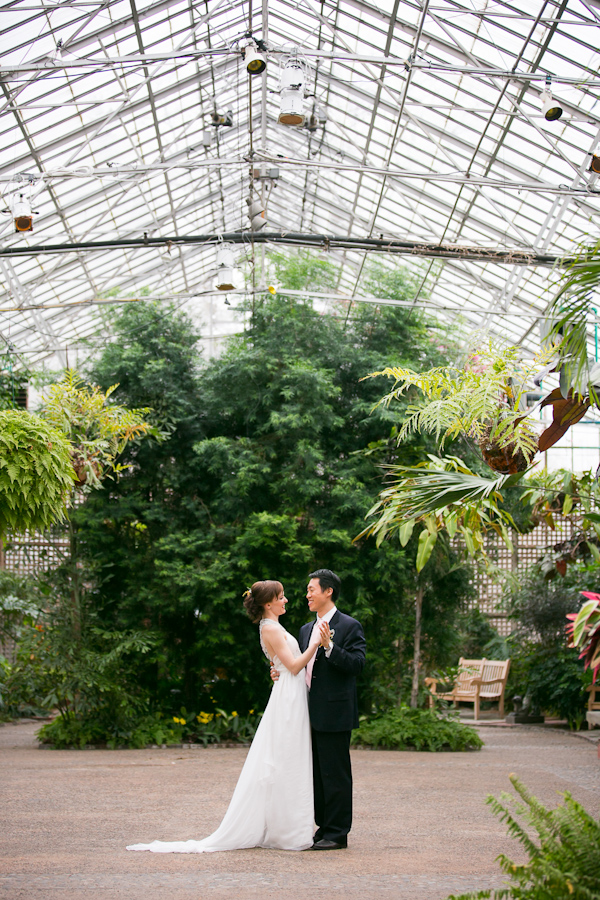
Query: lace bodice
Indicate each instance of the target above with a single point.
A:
(293, 644)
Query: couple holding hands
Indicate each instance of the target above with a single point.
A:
(298, 767)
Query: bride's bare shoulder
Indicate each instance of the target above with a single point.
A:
(271, 629)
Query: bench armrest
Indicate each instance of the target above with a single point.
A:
(480, 682)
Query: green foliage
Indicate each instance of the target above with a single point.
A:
(568, 323)
(20, 603)
(35, 472)
(263, 475)
(562, 846)
(92, 677)
(442, 496)
(218, 726)
(11, 382)
(482, 400)
(81, 732)
(139, 730)
(404, 728)
(4, 675)
(476, 635)
(539, 606)
(552, 681)
(98, 430)
(584, 631)
(544, 670)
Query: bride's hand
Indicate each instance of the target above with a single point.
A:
(325, 635)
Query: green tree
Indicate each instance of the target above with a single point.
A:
(264, 475)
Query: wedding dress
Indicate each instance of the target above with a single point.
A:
(272, 804)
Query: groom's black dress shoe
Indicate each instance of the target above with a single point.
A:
(324, 844)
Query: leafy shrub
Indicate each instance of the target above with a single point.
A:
(406, 728)
(157, 728)
(92, 679)
(538, 605)
(552, 680)
(544, 670)
(218, 726)
(79, 732)
(564, 861)
(476, 634)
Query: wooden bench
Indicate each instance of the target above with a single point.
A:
(593, 713)
(478, 679)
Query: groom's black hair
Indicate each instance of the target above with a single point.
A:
(328, 579)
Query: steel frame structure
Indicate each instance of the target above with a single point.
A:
(433, 138)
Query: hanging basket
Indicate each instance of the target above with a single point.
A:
(506, 460)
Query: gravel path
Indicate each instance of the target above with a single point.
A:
(422, 829)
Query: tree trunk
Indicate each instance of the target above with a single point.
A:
(75, 583)
(414, 694)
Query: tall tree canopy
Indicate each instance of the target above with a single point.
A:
(263, 474)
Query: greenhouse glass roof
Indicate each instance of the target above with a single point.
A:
(424, 142)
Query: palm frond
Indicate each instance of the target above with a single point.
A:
(445, 489)
(568, 317)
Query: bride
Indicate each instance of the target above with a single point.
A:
(272, 804)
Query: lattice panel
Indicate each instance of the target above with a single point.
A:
(29, 554)
(527, 550)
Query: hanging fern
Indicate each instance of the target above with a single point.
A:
(484, 400)
(36, 473)
(97, 428)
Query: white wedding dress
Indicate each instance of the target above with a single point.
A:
(272, 804)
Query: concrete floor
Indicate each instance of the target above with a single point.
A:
(422, 829)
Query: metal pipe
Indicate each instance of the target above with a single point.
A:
(513, 256)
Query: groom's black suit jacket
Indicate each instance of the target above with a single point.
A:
(332, 702)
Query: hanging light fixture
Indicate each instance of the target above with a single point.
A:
(551, 108)
(22, 215)
(595, 164)
(226, 270)
(255, 57)
(223, 119)
(291, 89)
(256, 213)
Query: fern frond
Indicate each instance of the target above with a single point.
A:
(483, 399)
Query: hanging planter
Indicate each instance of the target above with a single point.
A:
(485, 401)
(507, 460)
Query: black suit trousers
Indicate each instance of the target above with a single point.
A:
(332, 777)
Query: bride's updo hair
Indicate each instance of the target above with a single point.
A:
(261, 593)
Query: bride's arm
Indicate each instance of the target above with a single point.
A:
(275, 640)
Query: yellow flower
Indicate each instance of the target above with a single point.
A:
(234, 713)
(205, 718)
(250, 712)
(175, 719)
(182, 721)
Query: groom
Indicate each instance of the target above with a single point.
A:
(331, 679)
